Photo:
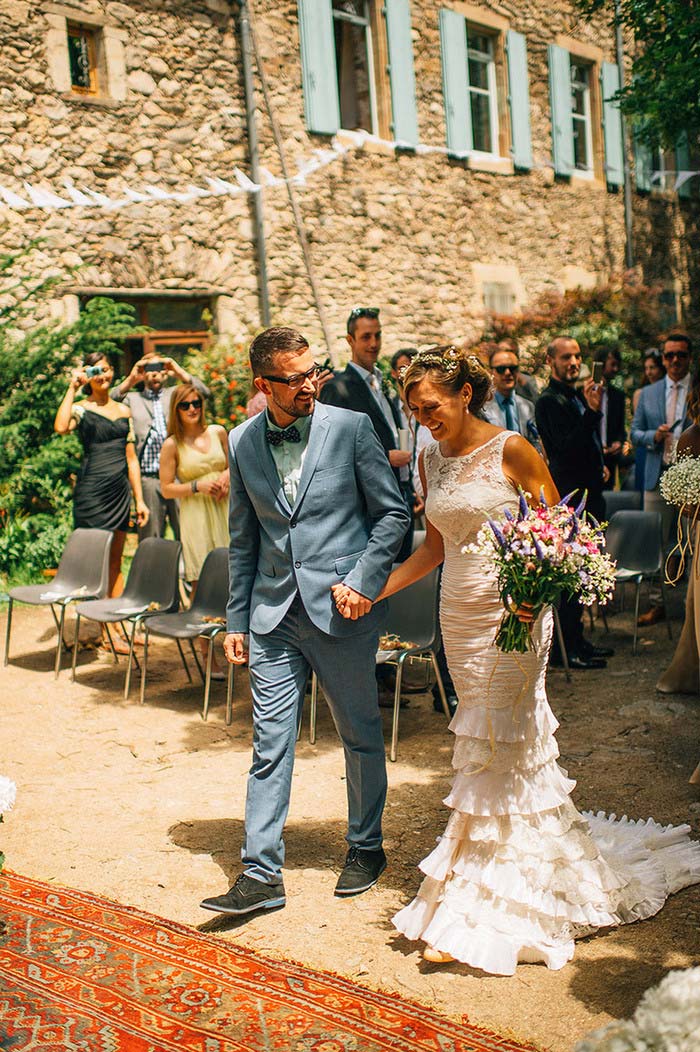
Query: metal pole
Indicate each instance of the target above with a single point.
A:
(627, 184)
(246, 55)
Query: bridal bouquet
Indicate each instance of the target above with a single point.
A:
(8, 791)
(540, 555)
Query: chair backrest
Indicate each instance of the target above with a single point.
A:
(418, 538)
(413, 613)
(211, 596)
(84, 563)
(154, 577)
(621, 500)
(633, 539)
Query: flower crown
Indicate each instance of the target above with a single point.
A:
(448, 360)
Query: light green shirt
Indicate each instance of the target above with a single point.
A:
(289, 456)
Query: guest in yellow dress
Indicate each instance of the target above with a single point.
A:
(194, 470)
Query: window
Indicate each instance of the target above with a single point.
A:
(354, 64)
(483, 97)
(485, 87)
(82, 59)
(581, 116)
(357, 67)
(499, 297)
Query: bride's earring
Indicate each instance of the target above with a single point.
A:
(466, 406)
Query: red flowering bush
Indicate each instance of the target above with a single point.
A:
(225, 369)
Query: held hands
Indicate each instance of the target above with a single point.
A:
(217, 488)
(236, 648)
(399, 458)
(351, 605)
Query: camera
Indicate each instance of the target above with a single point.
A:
(93, 370)
(597, 372)
(154, 367)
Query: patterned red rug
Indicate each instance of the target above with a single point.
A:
(81, 973)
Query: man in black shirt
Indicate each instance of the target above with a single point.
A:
(568, 421)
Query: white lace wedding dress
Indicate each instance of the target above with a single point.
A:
(519, 873)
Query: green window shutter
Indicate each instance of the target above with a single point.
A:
(683, 165)
(612, 125)
(643, 164)
(519, 99)
(455, 81)
(403, 82)
(318, 68)
(560, 102)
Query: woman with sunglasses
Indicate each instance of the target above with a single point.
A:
(194, 470)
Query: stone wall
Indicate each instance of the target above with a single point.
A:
(414, 234)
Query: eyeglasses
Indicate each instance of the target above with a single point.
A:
(681, 355)
(296, 379)
(502, 369)
(196, 403)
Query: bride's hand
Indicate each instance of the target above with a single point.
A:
(524, 613)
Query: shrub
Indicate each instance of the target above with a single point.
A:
(225, 369)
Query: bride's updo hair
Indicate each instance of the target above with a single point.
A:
(450, 367)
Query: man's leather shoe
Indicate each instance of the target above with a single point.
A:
(581, 661)
(246, 896)
(361, 871)
(657, 613)
(588, 650)
(452, 702)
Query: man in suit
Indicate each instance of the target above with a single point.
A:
(149, 411)
(313, 503)
(361, 387)
(507, 408)
(612, 407)
(659, 419)
(568, 421)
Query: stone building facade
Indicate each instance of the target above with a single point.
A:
(491, 172)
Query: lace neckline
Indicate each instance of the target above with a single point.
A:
(468, 456)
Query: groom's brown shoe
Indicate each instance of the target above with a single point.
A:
(652, 616)
(361, 871)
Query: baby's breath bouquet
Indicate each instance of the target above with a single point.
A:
(8, 791)
(680, 485)
(540, 555)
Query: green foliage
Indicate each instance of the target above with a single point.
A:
(663, 98)
(37, 467)
(225, 369)
(624, 314)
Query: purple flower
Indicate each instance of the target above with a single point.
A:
(509, 515)
(523, 505)
(564, 502)
(574, 529)
(543, 502)
(582, 504)
(497, 533)
(539, 550)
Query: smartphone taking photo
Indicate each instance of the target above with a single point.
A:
(154, 367)
(597, 372)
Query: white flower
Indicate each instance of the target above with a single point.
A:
(680, 483)
(8, 792)
(667, 1019)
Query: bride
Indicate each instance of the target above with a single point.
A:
(519, 873)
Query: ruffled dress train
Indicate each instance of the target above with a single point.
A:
(519, 873)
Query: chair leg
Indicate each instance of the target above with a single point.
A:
(76, 647)
(184, 660)
(197, 662)
(397, 706)
(636, 616)
(59, 643)
(111, 643)
(440, 686)
(131, 637)
(144, 666)
(7, 632)
(130, 659)
(229, 695)
(207, 679)
(312, 709)
(562, 648)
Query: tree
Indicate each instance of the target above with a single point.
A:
(662, 100)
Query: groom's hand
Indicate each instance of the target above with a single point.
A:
(235, 648)
(351, 605)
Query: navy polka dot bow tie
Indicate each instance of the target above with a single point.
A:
(290, 434)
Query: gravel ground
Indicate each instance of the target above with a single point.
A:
(144, 804)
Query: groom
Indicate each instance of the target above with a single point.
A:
(313, 503)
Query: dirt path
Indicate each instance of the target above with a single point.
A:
(145, 804)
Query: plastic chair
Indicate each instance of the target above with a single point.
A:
(413, 617)
(151, 588)
(633, 539)
(621, 500)
(83, 573)
(202, 620)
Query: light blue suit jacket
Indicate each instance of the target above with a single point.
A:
(649, 415)
(347, 523)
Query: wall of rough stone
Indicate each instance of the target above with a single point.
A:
(392, 229)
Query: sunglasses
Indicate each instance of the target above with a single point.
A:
(196, 403)
(503, 369)
(671, 355)
(296, 379)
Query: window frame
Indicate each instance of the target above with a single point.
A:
(585, 118)
(368, 23)
(78, 30)
(491, 92)
(592, 56)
